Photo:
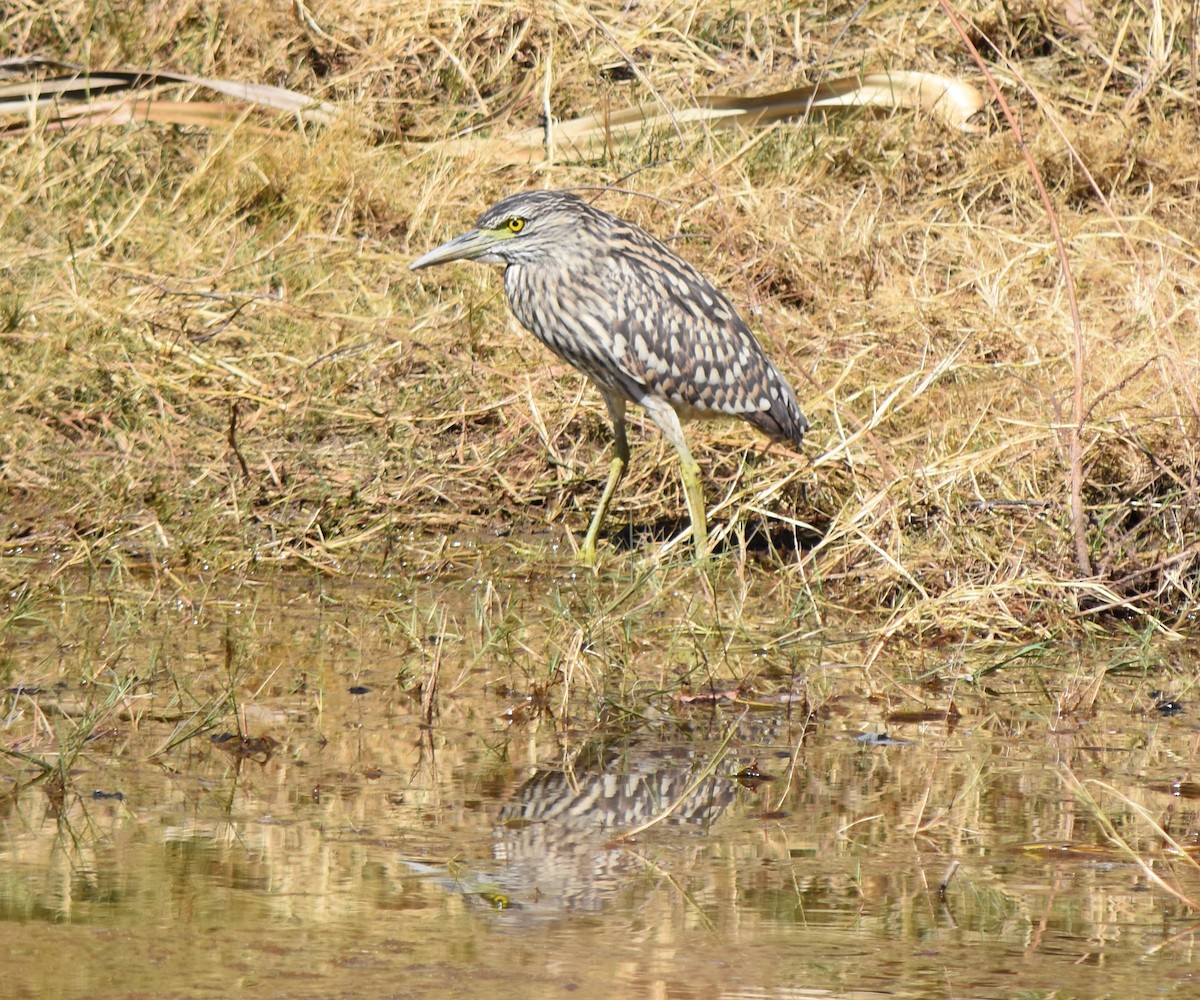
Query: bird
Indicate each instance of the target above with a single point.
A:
(639, 321)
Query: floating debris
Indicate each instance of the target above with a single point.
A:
(751, 777)
(244, 746)
(881, 740)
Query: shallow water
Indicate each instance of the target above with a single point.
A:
(349, 849)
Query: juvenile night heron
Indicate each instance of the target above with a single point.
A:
(643, 324)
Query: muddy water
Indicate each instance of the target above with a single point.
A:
(246, 799)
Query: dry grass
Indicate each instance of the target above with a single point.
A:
(212, 355)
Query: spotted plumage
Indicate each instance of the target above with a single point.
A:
(642, 323)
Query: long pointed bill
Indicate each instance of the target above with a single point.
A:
(469, 246)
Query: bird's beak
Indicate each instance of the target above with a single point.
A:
(468, 246)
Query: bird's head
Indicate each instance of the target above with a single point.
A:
(520, 229)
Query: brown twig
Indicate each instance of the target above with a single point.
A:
(233, 444)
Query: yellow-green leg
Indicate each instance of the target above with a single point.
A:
(616, 472)
(693, 490)
(663, 414)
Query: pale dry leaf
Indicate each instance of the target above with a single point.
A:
(951, 101)
(57, 94)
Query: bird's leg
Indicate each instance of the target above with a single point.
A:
(616, 472)
(663, 414)
(693, 490)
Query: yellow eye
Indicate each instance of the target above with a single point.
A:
(515, 225)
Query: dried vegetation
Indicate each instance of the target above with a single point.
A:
(213, 356)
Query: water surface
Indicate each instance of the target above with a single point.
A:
(259, 796)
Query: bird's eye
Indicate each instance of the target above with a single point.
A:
(515, 225)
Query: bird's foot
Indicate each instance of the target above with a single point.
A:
(586, 556)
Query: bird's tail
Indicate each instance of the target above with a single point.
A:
(784, 420)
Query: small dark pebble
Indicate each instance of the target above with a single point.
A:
(617, 72)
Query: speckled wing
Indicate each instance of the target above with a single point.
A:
(681, 340)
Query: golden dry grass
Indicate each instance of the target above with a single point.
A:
(212, 354)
